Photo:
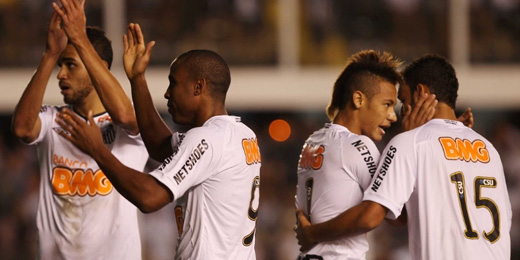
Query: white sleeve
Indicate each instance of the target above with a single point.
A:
(46, 115)
(395, 177)
(191, 163)
(360, 157)
(176, 139)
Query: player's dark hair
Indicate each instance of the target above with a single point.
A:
(101, 43)
(362, 72)
(437, 74)
(210, 66)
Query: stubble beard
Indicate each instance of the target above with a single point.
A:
(78, 96)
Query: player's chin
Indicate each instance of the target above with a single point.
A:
(377, 136)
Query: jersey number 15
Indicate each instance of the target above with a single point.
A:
(481, 202)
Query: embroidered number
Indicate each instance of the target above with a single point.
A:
(309, 184)
(480, 202)
(252, 213)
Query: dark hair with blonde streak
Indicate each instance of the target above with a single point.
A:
(362, 72)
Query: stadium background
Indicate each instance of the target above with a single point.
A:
(284, 57)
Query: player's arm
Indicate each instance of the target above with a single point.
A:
(357, 220)
(26, 124)
(142, 190)
(400, 221)
(154, 131)
(112, 95)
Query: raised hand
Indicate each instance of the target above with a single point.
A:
(84, 135)
(136, 55)
(73, 18)
(56, 37)
(421, 113)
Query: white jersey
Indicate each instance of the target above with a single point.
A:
(453, 184)
(80, 214)
(215, 172)
(335, 168)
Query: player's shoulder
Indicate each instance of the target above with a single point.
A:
(215, 128)
(356, 141)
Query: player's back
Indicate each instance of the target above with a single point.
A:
(334, 169)
(459, 207)
(215, 172)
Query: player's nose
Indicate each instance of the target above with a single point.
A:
(392, 117)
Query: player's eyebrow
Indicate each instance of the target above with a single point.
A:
(391, 100)
(67, 59)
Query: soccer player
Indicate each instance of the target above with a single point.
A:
(450, 178)
(80, 213)
(214, 167)
(338, 161)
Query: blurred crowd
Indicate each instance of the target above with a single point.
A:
(275, 239)
(245, 32)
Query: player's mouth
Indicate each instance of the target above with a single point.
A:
(170, 109)
(64, 88)
(382, 130)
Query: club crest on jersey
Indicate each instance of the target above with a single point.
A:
(464, 149)
(109, 133)
(389, 157)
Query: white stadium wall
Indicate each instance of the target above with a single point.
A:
(289, 89)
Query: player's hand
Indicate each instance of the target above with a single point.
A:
(421, 113)
(136, 55)
(301, 229)
(72, 14)
(84, 135)
(467, 118)
(56, 37)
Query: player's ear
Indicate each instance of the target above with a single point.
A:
(106, 64)
(199, 86)
(420, 90)
(358, 99)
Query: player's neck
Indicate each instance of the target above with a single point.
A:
(91, 103)
(443, 111)
(209, 112)
(348, 119)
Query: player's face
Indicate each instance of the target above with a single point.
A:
(74, 80)
(378, 113)
(405, 96)
(180, 95)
